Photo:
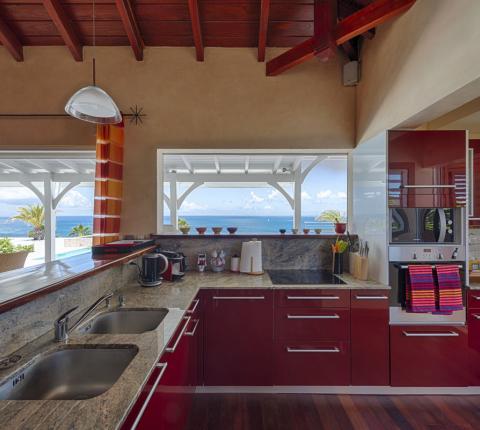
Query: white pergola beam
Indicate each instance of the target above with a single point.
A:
(62, 193)
(217, 164)
(283, 192)
(50, 219)
(228, 177)
(173, 204)
(185, 194)
(276, 164)
(41, 176)
(247, 164)
(297, 200)
(297, 164)
(187, 163)
(313, 164)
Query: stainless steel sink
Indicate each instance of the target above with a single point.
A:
(71, 373)
(125, 321)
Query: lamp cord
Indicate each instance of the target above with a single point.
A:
(94, 42)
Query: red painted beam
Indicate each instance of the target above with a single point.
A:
(325, 19)
(297, 55)
(129, 21)
(374, 14)
(262, 31)
(196, 28)
(64, 27)
(10, 41)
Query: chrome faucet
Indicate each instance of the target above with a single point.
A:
(61, 323)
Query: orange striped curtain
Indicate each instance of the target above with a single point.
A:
(108, 183)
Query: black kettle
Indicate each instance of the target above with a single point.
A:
(153, 266)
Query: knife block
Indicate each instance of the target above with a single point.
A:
(358, 266)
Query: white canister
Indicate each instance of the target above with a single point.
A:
(235, 264)
(251, 259)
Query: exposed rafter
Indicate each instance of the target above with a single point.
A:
(64, 26)
(325, 18)
(10, 41)
(129, 21)
(360, 22)
(196, 28)
(263, 28)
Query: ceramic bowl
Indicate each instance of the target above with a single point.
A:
(294, 230)
(306, 230)
(232, 230)
(282, 231)
(201, 230)
(185, 230)
(318, 230)
(217, 230)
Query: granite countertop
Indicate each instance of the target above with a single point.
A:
(109, 409)
(474, 286)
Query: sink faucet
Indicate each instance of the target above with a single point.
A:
(61, 323)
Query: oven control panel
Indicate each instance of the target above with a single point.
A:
(426, 253)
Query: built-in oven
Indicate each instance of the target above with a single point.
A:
(425, 225)
(400, 259)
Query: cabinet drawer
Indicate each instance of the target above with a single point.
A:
(474, 299)
(312, 324)
(369, 299)
(429, 356)
(313, 298)
(311, 363)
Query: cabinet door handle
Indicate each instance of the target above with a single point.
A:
(371, 297)
(427, 186)
(238, 297)
(319, 350)
(163, 366)
(182, 332)
(192, 333)
(439, 334)
(476, 316)
(191, 311)
(476, 297)
(313, 298)
(471, 183)
(312, 317)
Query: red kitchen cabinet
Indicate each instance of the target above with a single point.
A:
(238, 337)
(311, 363)
(370, 347)
(429, 356)
(316, 298)
(427, 168)
(473, 324)
(474, 212)
(195, 332)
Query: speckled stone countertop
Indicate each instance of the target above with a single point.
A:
(108, 410)
(474, 286)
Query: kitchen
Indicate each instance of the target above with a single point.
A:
(287, 343)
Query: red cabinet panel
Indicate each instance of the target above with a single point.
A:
(474, 299)
(238, 337)
(312, 324)
(474, 146)
(427, 168)
(370, 337)
(196, 332)
(311, 363)
(317, 298)
(429, 356)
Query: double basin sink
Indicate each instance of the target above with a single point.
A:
(78, 372)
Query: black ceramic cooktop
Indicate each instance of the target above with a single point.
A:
(299, 277)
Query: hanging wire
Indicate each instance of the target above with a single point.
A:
(94, 42)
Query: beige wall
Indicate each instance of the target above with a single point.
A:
(225, 102)
(420, 66)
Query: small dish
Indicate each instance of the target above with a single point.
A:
(185, 230)
(217, 230)
(318, 230)
(294, 230)
(306, 230)
(201, 230)
(232, 230)
(282, 231)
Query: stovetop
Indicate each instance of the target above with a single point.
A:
(306, 277)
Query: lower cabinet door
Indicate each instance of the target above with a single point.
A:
(429, 356)
(473, 321)
(311, 363)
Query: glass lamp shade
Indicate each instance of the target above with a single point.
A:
(92, 104)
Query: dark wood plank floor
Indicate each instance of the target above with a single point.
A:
(331, 412)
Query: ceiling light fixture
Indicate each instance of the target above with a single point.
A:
(91, 103)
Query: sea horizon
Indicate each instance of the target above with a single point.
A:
(245, 224)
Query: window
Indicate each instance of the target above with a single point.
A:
(257, 193)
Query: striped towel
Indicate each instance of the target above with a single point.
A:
(449, 288)
(420, 292)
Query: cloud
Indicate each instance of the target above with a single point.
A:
(306, 196)
(74, 199)
(267, 207)
(16, 194)
(256, 198)
(188, 206)
(273, 194)
(342, 195)
(324, 194)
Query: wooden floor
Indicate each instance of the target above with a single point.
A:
(330, 412)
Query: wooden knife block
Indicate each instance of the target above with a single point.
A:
(358, 266)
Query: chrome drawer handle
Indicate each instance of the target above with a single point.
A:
(371, 297)
(313, 350)
(312, 317)
(238, 298)
(174, 347)
(476, 297)
(476, 316)
(445, 334)
(313, 298)
(191, 311)
(192, 333)
(150, 394)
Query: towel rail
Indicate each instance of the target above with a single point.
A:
(433, 266)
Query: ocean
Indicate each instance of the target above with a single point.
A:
(245, 224)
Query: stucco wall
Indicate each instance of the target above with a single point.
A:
(225, 102)
(420, 66)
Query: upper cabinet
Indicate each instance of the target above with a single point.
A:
(474, 159)
(427, 168)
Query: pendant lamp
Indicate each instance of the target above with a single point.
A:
(91, 103)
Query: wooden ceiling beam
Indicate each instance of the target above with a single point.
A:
(365, 19)
(64, 26)
(10, 41)
(130, 25)
(324, 21)
(196, 28)
(263, 29)
(297, 55)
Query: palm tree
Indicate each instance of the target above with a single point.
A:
(80, 231)
(35, 216)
